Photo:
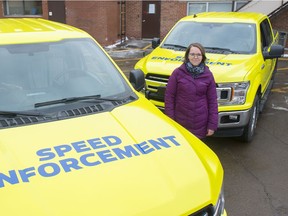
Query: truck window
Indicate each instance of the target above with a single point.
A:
(34, 73)
(237, 37)
(266, 34)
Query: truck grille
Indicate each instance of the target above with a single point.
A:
(157, 78)
(156, 85)
(207, 211)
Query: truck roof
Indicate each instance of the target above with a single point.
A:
(226, 17)
(33, 30)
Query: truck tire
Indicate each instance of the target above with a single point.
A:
(249, 130)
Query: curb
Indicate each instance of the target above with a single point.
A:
(130, 49)
(130, 53)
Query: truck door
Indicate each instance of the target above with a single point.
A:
(266, 42)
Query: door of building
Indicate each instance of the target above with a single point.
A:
(56, 11)
(151, 19)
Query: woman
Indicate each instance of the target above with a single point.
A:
(190, 96)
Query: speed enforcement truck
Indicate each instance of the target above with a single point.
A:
(76, 137)
(242, 51)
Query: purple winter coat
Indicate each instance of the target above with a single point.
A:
(192, 102)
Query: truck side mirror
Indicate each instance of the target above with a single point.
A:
(137, 79)
(276, 51)
(155, 42)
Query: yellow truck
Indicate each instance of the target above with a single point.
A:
(242, 53)
(77, 139)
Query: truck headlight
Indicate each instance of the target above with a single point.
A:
(232, 93)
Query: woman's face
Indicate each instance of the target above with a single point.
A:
(195, 56)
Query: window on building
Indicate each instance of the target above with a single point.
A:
(282, 38)
(202, 6)
(194, 8)
(220, 6)
(239, 4)
(22, 7)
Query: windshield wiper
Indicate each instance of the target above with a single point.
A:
(74, 99)
(175, 46)
(220, 49)
(20, 113)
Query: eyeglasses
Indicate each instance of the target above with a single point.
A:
(195, 55)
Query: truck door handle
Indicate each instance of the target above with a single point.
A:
(263, 66)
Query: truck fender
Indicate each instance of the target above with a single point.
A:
(255, 86)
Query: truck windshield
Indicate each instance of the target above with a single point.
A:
(36, 73)
(236, 37)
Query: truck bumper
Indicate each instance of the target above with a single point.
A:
(231, 124)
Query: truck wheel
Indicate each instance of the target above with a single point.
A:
(249, 130)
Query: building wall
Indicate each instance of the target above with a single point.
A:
(134, 19)
(101, 19)
(171, 12)
(45, 9)
(1, 9)
(279, 22)
(98, 18)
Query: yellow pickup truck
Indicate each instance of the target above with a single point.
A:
(77, 139)
(242, 52)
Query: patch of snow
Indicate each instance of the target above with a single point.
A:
(279, 108)
(118, 42)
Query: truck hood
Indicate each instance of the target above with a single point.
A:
(228, 67)
(102, 164)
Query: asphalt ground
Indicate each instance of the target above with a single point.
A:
(256, 173)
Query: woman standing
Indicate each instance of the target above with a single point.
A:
(190, 96)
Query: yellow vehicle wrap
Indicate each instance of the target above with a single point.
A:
(242, 54)
(77, 139)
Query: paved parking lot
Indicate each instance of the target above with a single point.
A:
(256, 174)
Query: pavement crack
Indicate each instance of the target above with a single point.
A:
(269, 197)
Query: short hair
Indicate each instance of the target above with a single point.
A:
(200, 47)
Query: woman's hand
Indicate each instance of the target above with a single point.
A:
(210, 132)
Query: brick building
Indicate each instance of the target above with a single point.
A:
(98, 18)
(109, 21)
(279, 22)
